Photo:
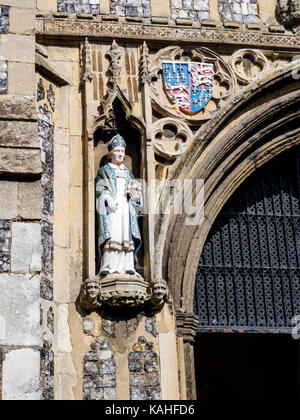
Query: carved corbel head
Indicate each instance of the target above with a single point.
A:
(289, 12)
(90, 294)
(159, 293)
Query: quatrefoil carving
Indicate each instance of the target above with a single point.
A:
(170, 137)
(249, 65)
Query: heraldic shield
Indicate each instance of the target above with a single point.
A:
(188, 85)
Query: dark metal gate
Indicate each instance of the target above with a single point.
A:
(249, 270)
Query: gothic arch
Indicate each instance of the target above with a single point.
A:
(256, 126)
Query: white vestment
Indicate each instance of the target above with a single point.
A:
(118, 252)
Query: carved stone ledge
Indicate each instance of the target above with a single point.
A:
(130, 30)
(187, 325)
(124, 290)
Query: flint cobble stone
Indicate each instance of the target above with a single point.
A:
(131, 8)
(79, 6)
(190, 9)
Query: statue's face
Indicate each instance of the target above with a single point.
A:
(93, 289)
(117, 155)
(159, 290)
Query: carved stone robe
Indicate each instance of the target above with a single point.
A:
(119, 236)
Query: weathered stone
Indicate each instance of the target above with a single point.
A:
(131, 326)
(3, 77)
(88, 325)
(134, 356)
(21, 375)
(18, 48)
(104, 345)
(240, 11)
(106, 354)
(192, 9)
(137, 393)
(20, 309)
(95, 346)
(20, 161)
(109, 394)
(50, 319)
(107, 380)
(51, 97)
(21, 78)
(91, 356)
(79, 6)
(96, 394)
(137, 347)
(137, 380)
(90, 368)
(18, 107)
(108, 366)
(149, 355)
(150, 326)
(4, 19)
(40, 90)
(30, 200)
(19, 134)
(131, 8)
(135, 366)
(4, 263)
(47, 362)
(152, 379)
(149, 346)
(152, 393)
(108, 327)
(150, 366)
(26, 247)
(8, 201)
(88, 382)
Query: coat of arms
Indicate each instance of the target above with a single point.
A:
(189, 85)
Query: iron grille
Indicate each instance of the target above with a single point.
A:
(249, 270)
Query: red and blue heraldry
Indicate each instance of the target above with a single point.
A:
(189, 85)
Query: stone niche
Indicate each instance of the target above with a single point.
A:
(117, 123)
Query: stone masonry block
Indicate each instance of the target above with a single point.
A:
(18, 107)
(22, 21)
(30, 200)
(26, 247)
(18, 48)
(8, 200)
(47, 5)
(20, 161)
(19, 134)
(20, 309)
(21, 375)
(26, 4)
(21, 80)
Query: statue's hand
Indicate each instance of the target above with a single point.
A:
(135, 196)
(112, 204)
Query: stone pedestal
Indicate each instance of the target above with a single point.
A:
(124, 290)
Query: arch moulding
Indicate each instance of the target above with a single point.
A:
(256, 126)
